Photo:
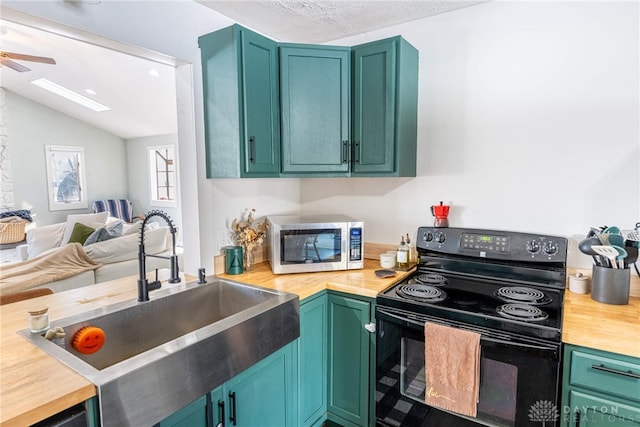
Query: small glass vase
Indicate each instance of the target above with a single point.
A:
(248, 259)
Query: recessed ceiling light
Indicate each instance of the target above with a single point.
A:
(154, 73)
(90, 91)
(70, 95)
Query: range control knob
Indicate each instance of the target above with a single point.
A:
(533, 246)
(441, 238)
(427, 236)
(550, 248)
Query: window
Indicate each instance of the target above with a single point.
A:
(66, 177)
(163, 176)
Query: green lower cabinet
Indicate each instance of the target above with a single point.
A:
(336, 365)
(600, 389)
(312, 364)
(265, 395)
(350, 360)
(218, 407)
(192, 415)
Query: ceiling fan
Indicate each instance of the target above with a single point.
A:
(6, 59)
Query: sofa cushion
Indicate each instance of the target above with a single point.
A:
(110, 231)
(41, 239)
(96, 220)
(80, 233)
(126, 247)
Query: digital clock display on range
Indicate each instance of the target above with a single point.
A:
(485, 242)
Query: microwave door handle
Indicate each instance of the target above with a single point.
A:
(482, 336)
(344, 249)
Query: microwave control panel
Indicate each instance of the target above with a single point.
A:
(355, 244)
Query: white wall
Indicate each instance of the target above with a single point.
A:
(30, 126)
(528, 118)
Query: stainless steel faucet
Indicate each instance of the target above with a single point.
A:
(143, 284)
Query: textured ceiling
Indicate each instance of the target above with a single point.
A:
(307, 21)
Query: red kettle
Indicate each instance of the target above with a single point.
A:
(441, 212)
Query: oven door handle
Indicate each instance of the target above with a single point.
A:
(483, 337)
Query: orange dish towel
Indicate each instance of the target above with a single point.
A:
(452, 368)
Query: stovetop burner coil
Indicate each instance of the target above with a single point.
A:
(524, 312)
(432, 279)
(521, 294)
(420, 292)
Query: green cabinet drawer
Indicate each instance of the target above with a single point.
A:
(614, 375)
(585, 410)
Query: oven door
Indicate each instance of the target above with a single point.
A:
(519, 377)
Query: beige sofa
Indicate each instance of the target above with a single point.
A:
(118, 255)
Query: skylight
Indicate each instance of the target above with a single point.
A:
(70, 95)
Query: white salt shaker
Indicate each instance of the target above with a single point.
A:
(579, 284)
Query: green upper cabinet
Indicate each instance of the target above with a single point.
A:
(298, 110)
(315, 96)
(241, 104)
(385, 99)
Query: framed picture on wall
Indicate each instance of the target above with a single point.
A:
(66, 182)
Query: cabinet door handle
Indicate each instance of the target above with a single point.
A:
(615, 371)
(576, 418)
(220, 413)
(252, 149)
(232, 415)
(345, 151)
(370, 327)
(356, 153)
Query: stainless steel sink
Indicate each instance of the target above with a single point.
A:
(162, 354)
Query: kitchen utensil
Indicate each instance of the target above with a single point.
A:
(631, 236)
(585, 246)
(604, 239)
(622, 254)
(607, 251)
(616, 239)
(385, 273)
(611, 230)
(441, 212)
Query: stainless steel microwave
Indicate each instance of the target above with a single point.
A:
(308, 243)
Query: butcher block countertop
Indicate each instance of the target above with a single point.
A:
(614, 328)
(34, 386)
(358, 282)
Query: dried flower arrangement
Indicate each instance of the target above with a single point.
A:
(248, 236)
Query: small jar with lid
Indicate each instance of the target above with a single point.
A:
(39, 320)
